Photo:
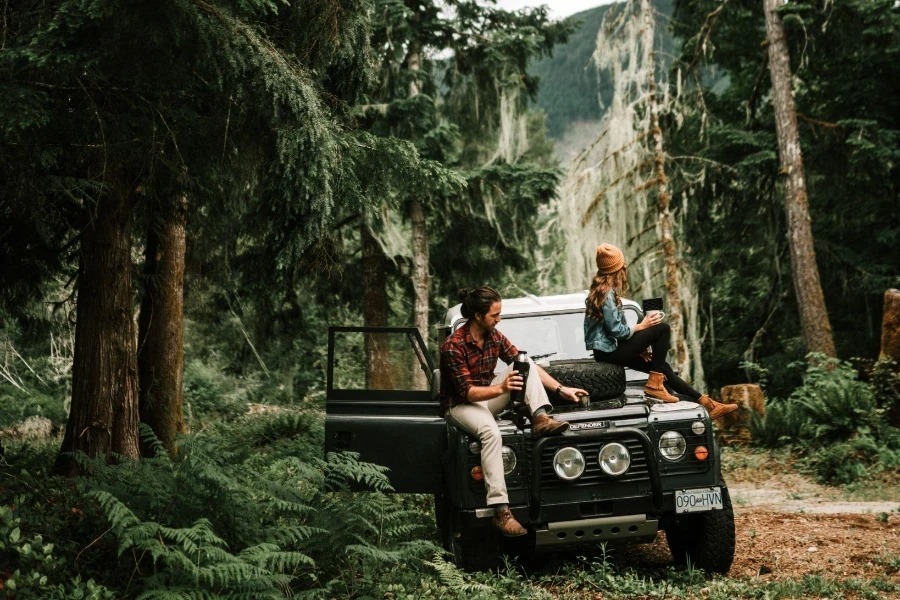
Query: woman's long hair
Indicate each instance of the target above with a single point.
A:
(600, 286)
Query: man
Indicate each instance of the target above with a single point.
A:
(471, 395)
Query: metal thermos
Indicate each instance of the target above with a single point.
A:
(521, 365)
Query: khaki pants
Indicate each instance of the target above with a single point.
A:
(477, 418)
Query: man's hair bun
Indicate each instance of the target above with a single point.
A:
(477, 301)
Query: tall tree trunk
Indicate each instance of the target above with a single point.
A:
(676, 309)
(104, 414)
(375, 310)
(161, 325)
(421, 280)
(810, 299)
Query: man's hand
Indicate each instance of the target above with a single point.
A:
(513, 382)
(572, 394)
(647, 354)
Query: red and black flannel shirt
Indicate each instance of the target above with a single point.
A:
(464, 364)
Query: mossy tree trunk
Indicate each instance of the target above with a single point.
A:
(161, 324)
(375, 309)
(807, 287)
(676, 308)
(421, 280)
(104, 414)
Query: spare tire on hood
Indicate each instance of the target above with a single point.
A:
(603, 381)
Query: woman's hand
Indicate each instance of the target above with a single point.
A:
(647, 354)
(512, 383)
(653, 318)
(572, 394)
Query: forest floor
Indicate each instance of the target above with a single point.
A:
(787, 526)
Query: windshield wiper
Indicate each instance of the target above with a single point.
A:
(540, 356)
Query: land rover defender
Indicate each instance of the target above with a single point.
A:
(641, 466)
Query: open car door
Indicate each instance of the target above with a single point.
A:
(380, 404)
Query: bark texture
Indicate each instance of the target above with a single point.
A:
(810, 299)
(421, 280)
(676, 309)
(890, 326)
(375, 310)
(103, 418)
(161, 326)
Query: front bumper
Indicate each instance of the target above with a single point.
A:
(610, 435)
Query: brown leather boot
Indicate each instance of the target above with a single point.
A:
(656, 389)
(716, 409)
(506, 523)
(544, 424)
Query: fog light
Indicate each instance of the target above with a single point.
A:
(672, 445)
(477, 474)
(568, 463)
(614, 459)
(474, 447)
(701, 453)
(698, 427)
(509, 460)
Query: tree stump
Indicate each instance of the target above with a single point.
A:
(733, 428)
(890, 327)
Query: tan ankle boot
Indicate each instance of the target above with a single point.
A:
(656, 389)
(716, 409)
(506, 523)
(544, 424)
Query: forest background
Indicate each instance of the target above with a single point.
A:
(228, 179)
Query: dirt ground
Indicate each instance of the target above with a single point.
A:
(775, 545)
(787, 526)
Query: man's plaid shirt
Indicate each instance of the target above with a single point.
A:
(464, 364)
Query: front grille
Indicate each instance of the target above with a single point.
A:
(593, 474)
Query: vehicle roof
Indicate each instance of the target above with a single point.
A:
(531, 304)
(527, 305)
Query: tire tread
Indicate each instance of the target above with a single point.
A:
(602, 380)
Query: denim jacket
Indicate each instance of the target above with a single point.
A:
(604, 335)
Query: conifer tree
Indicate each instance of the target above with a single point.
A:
(810, 299)
(108, 103)
(454, 81)
(161, 321)
(847, 123)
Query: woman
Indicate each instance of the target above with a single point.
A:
(643, 347)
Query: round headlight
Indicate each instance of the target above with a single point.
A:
(568, 463)
(509, 460)
(614, 459)
(672, 445)
(698, 427)
(475, 448)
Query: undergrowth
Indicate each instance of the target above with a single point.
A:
(248, 509)
(838, 423)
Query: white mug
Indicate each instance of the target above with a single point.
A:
(662, 315)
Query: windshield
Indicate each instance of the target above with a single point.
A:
(548, 337)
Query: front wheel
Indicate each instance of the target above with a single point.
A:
(706, 540)
(470, 549)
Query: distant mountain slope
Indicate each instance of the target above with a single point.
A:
(568, 88)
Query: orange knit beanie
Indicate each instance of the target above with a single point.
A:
(609, 259)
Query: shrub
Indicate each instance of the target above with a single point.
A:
(39, 573)
(210, 394)
(837, 421)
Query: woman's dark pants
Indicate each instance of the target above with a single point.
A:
(628, 354)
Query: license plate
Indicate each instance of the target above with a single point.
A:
(698, 500)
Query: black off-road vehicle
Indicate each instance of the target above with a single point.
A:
(627, 468)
